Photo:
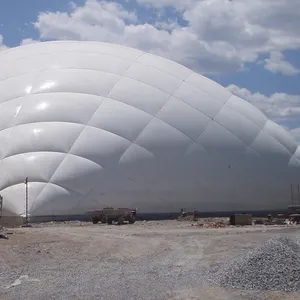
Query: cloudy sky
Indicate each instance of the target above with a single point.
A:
(250, 47)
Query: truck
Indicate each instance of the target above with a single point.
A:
(109, 215)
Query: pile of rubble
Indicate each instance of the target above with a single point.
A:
(2, 233)
(186, 218)
(275, 265)
(215, 224)
(274, 221)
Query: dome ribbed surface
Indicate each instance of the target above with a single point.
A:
(94, 124)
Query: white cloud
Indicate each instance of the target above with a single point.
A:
(177, 4)
(100, 21)
(279, 107)
(28, 41)
(220, 35)
(2, 46)
(277, 64)
(167, 25)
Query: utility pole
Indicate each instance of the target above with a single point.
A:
(1, 206)
(292, 195)
(26, 200)
(298, 194)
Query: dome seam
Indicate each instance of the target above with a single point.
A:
(46, 183)
(213, 120)
(118, 80)
(69, 149)
(208, 93)
(83, 130)
(15, 49)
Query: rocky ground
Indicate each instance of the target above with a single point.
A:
(147, 260)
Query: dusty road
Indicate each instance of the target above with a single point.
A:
(147, 260)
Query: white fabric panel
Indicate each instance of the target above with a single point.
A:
(163, 140)
(296, 157)
(267, 178)
(95, 124)
(270, 149)
(8, 111)
(248, 110)
(165, 65)
(176, 112)
(113, 189)
(194, 159)
(5, 139)
(16, 196)
(136, 154)
(139, 95)
(294, 162)
(30, 51)
(195, 151)
(77, 174)
(50, 81)
(102, 147)
(37, 166)
(121, 119)
(89, 61)
(140, 165)
(297, 152)
(281, 135)
(86, 203)
(209, 86)
(17, 86)
(75, 81)
(54, 200)
(221, 142)
(120, 51)
(40, 136)
(237, 124)
(114, 182)
(59, 107)
(294, 166)
(198, 99)
(250, 167)
(151, 76)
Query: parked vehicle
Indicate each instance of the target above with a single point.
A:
(109, 215)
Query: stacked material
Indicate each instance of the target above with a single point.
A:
(274, 265)
(218, 224)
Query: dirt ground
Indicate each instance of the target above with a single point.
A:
(146, 260)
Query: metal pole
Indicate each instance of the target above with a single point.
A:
(292, 195)
(298, 194)
(1, 206)
(26, 184)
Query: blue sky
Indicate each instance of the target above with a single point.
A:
(16, 17)
(252, 47)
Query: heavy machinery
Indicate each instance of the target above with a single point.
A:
(109, 215)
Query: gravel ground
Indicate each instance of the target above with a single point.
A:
(147, 260)
(274, 265)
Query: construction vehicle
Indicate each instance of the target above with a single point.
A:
(109, 215)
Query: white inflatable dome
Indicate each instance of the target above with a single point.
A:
(94, 124)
